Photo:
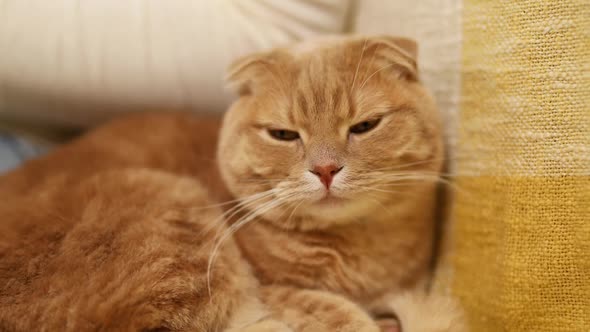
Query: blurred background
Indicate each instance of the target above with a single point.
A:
(67, 65)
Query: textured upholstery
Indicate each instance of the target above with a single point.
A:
(512, 79)
(522, 223)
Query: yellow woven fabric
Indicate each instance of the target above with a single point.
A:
(521, 251)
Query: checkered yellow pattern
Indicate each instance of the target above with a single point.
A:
(521, 250)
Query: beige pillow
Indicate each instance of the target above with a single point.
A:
(69, 62)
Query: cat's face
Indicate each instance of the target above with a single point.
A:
(330, 133)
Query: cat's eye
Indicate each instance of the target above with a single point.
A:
(283, 134)
(365, 126)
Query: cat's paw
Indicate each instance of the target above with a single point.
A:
(420, 312)
(388, 325)
(267, 326)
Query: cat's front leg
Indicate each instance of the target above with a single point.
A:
(253, 316)
(307, 310)
(388, 324)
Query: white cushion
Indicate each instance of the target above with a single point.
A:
(77, 62)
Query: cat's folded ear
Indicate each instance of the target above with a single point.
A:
(398, 53)
(406, 45)
(244, 73)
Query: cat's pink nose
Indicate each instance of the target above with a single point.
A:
(326, 173)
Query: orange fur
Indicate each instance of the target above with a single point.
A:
(120, 230)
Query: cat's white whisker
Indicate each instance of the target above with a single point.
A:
(267, 179)
(245, 203)
(378, 70)
(371, 62)
(415, 163)
(233, 228)
(293, 212)
(372, 188)
(237, 200)
(265, 207)
(376, 200)
(401, 179)
(358, 65)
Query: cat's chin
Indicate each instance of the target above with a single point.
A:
(331, 201)
(338, 210)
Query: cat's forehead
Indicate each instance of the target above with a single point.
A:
(314, 103)
(325, 91)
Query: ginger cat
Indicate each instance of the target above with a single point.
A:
(330, 158)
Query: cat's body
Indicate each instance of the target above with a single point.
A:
(103, 233)
(117, 230)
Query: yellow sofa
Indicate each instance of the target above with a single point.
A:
(517, 111)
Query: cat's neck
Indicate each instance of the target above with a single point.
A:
(368, 256)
